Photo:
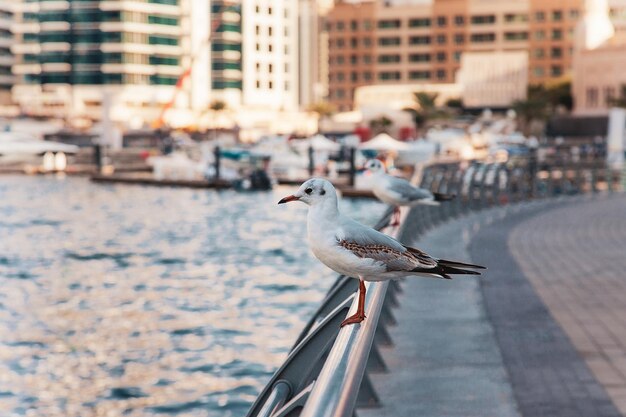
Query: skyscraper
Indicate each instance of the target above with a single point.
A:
(68, 52)
(6, 57)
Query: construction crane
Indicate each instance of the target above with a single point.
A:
(159, 123)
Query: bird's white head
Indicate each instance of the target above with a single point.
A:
(313, 192)
(375, 166)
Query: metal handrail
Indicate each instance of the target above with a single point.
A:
(337, 387)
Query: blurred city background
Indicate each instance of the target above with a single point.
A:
(144, 145)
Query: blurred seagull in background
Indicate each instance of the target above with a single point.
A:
(398, 191)
(358, 251)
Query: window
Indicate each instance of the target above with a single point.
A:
(270, 68)
(540, 16)
(419, 40)
(419, 58)
(459, 20)
(609, 94)
(270, 84)
(257, 29)
(340, 60)
(269, 31)
(556, 70)
(269, 48)
(367, 76)
(419, 23)
(516, 36)
(367, 42)
(354, 42)
(286, 85)
(388, 59)
(592, 97)
(419, 75)
(269, 11)
(354, 77)
(441, 21)
(557, 34)
(340, 76)
(162, 20)
(258, 66)
(441, 56)
(354, 25)
(354, 59)
(459, 38)
(557, 15)
(340, 26)
(367, 59)
(340, 93)
(515, 17)
(540, 35)
(483, 37)
(389, 24)
(573, 14)
(539, 53)
(441, 74)
(483, 19)
(389, 75)
(389, 41)
(457, 56)
(367, 25)
(441, 39)
(556, 52)
(538, 72)
(340, 43)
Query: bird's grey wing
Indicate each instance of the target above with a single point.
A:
(366, 242)
(357, 233)
(406, 190)
(394, 260)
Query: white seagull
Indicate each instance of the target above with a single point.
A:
(358, 251)
(398, 191)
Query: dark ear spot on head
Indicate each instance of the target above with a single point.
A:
(323, 192)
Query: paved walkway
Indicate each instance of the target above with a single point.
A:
(575, 258)
(542, 333)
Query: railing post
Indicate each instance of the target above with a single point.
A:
(217, 162)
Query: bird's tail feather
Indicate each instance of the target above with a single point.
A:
(443, 197)
(459, 264)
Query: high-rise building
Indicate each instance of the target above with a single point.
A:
(6, 57)
(69, 52)
(420, 42)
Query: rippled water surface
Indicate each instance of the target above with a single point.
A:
(138, 301)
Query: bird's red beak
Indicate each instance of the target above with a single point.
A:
(288, 199)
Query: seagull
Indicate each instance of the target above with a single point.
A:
(398, 191)
(358, 251)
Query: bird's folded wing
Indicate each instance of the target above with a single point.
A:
(404, 188)
(354, 231)
(394, 260)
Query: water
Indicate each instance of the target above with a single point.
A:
(139, 301)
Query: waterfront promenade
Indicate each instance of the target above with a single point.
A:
(541, 333)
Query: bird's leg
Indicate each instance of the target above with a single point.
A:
(359, 316)
(395, 217)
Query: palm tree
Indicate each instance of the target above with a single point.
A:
(323, 109)
(380, 124)
(217, 106)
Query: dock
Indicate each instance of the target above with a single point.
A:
(148, 179)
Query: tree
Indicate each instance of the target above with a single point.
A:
(541, 102)
(323, 109)
(427, 109)
(380, 124)
(217, 106)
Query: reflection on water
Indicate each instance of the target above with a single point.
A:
(133, 301)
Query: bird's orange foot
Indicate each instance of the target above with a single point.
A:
(353, 319)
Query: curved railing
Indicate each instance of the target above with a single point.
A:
(327, 371)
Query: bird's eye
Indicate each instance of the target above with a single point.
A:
(308, 190)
